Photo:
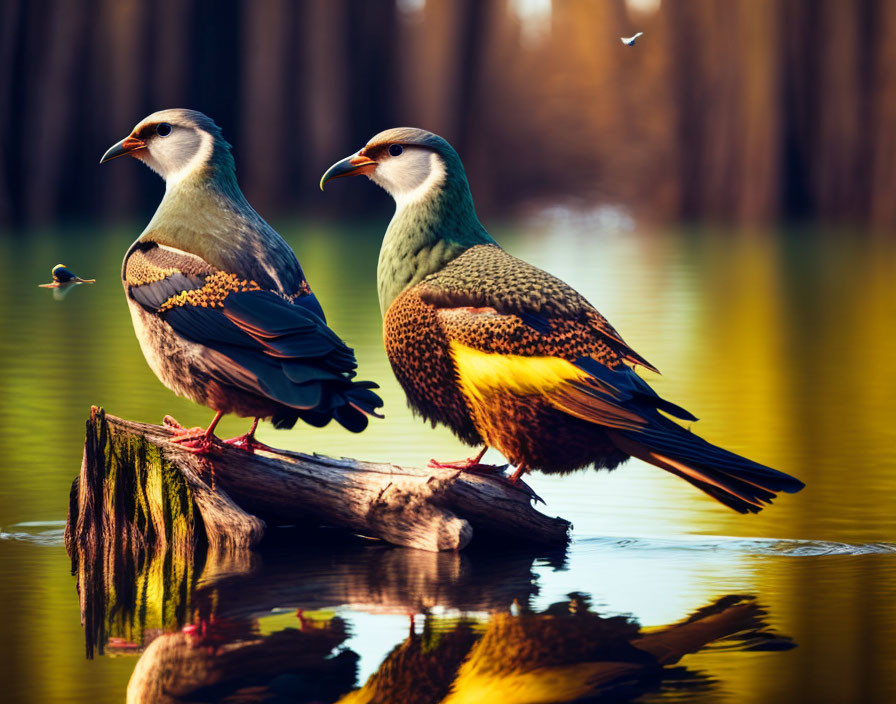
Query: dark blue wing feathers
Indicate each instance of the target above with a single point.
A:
(735, 481)
(302, 372)
(538, 322)
(285, 329)
(265, 312)
(628, 386)
(280, 349)
(63, 274)
(207, 326)
(310, 303)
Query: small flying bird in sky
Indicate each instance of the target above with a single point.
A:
(63, 276)
(630, 41)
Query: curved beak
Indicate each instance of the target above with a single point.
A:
(126, 146)
(350, 166)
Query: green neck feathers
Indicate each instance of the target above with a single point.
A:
(205, 213)
(426, 234)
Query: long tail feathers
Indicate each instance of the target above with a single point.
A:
(735, 481)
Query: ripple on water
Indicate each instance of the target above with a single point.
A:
(748, 546)
(36, 532)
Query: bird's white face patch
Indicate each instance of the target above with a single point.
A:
(178, 154)
(409, 176)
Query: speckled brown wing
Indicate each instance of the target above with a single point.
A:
(508, 355)
(532, 426)
(160, 278)
(540, 314)
(492, 302)
(418, 350)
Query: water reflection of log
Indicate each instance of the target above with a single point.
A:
(138, 488)
(232, 646)
(375, 579)
(125, 602)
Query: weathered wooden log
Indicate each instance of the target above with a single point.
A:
(138, 489)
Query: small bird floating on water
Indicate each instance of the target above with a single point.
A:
(630, 41)
(510, 357)
(220, 305)
(63, 276)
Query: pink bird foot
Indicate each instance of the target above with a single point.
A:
(248, 442)
(197, 440)
(471, 464)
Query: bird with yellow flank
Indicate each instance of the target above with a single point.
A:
(220, 305)
(510, 357)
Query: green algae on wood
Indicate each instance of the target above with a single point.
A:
(133, 532)
(135, 491)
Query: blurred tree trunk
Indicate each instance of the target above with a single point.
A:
(325, 98)
(10, 116)
(370, 41)
(120, 76)
(738, 110)
(171, 53)
(836, 168)
(881, 165)
(51, 104)
(435, 41)
(265, 117)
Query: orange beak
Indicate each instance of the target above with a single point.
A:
(350, 166)
(128, 145)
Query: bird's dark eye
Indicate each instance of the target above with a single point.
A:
(395, 149)
(163, 129)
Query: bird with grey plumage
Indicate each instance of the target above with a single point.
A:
(222, 310)
(510, 357)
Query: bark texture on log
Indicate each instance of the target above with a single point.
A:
(138, 489)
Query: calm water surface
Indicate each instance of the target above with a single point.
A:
(782, 343)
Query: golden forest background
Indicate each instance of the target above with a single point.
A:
(725, 110)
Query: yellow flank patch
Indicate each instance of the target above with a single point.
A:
(541, 685)
(482, 373)
(217, 287)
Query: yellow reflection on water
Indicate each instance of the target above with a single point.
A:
(782, 343)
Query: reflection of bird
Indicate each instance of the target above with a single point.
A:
(62, 275)
(61, 291)
(630, 41)
(509, 356)
(420, 669)
(568, 653)
(245, 665)
(220, 305)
